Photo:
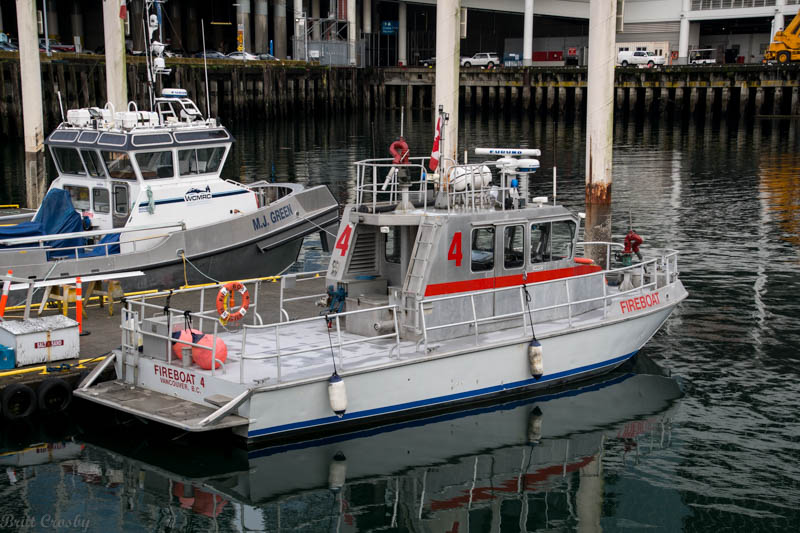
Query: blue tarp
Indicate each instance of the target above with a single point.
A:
(99, 251)
(55, 216)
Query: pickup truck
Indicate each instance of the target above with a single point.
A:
(640, 57)
(481, 59)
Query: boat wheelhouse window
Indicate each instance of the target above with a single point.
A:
(120, 200)
(119, 165)
(79, 196)
(154, 165)
(65, 136)
(112, 139)
(562, 234)
(391, 245)
(150, 139)
(93, 164)
(482, 255)
(200, 160)
(514, 247)
(88, 137)
(539, 234)
(68, 161)
(203, 135)
(100, 201)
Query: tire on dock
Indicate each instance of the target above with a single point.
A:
(54, 396)
(18, 402)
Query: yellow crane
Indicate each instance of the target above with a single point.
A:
(785, 46)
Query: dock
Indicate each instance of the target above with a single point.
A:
(102, 332)
(280, 89)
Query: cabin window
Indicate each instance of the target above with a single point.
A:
(561, 237)
(200, 161)
(100, 201)
(391, 245)
(79, 196)
(93, 164)
(121, 200)
(154, 165)
(552, 241)
(69, 161)
(119, 165)
(514, 247)
(482, 249)
(539, 243)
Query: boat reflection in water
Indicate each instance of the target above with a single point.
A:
(536, 461)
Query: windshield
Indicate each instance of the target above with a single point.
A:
(68, 161)
(119, 165)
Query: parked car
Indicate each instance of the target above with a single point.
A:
(211, 54)
(55, 46)
(703, 56)
(428, 62)
(242, 56)
(640, 57)
(481, 59)
(267, 57)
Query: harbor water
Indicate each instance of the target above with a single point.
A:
(714, 447)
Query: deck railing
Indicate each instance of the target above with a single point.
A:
(646, 275)
(666, 263)
(73, 252)
(378, 185)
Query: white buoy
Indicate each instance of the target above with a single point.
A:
(337, 394)
(535, 426)
(535, 358)
(337, 472)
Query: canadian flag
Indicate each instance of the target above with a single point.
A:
(434, 162)
(123, 9)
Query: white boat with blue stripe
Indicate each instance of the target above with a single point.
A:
(441, 290)
(142, 190)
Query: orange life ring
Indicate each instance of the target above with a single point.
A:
(224, 306)
(582, 260)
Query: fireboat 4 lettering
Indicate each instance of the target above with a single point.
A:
(178, 378)
(637, 304)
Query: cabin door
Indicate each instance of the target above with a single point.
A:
(121, 195)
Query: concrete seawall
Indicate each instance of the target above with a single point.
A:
(259, 88)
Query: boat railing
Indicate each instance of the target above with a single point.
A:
(380, 182)
(290, 281)
(667, 264)
(136, 309)
(335, 342)
(73, 252)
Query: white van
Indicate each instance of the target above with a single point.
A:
(640, 57)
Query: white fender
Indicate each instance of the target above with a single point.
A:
(337, 394)
(535, 358)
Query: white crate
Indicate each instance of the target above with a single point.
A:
(41, 340)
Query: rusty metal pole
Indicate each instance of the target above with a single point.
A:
(600, 124)
(32, 117)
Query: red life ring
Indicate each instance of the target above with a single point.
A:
(224, 306)
(399, 150)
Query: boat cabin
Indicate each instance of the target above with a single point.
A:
(430, 237)
(135, 168)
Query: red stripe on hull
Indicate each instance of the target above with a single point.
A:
(480, 284)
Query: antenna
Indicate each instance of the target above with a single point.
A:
(205, 68)
(61, 106)
(402, 119)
